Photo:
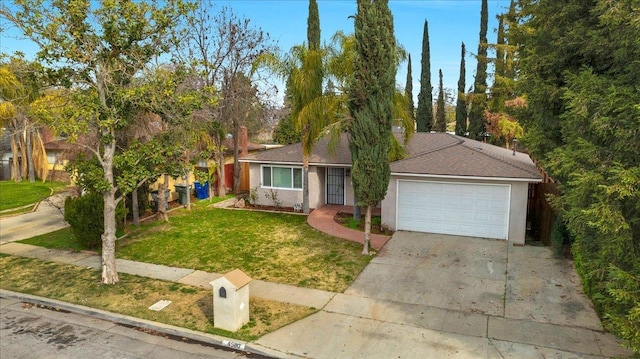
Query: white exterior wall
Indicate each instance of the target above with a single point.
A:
(517, 205)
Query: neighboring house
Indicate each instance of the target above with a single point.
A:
(245, 147)
(447, 184)
(5, 155)
(57, 150)
(58, 153)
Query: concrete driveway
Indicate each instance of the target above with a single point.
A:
(479, 276)
(432, 296)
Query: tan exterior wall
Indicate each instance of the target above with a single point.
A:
(317, 189)
(517, 205)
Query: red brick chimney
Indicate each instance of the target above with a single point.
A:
(243, 142)
(46, 134)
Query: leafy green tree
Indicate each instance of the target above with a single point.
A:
(285, 132)
(424, 114)
(99, 49)
(479, 98)
(441, 121)
(461, 103)
(408, 90)
(583, 122)
(371, 97)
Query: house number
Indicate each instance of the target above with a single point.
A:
(238, 346)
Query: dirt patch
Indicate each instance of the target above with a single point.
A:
(346, 219)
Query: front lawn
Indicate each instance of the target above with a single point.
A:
(191, 307)
(275, 247)
(19, 194)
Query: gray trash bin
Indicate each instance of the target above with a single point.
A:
(182, 193)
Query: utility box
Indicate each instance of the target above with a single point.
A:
(231, 300)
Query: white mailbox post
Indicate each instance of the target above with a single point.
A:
(231, 300)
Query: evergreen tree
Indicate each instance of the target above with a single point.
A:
(461, 104)
(371, 98)
(583, 122)
(479, 98)
(498, 90)
(441, 122)
(408, 90)
(313, 26)
(424, 114)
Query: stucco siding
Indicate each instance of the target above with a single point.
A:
(287, 197)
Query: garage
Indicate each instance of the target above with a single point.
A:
(456, 208)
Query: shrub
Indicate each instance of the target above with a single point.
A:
(85, 216)
(559, 237)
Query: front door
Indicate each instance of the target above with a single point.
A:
(335, 185)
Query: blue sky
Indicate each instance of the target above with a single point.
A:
(450, 23)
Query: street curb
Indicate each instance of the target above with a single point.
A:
(202, 338)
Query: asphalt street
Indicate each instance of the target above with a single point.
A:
(34, 331)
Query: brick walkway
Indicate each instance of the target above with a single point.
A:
(322, 220)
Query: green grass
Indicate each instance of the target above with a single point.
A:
(14, 195)
(60, 239)
(191, 307)
(275, 247)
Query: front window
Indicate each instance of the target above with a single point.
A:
(282, 177)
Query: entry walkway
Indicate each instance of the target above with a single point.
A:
(322, 220)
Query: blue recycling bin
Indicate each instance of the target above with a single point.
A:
(202, 190)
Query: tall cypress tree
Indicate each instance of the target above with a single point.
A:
(371, 105)
(461, 104)
(424, 114)
(498, 90)
(408, 90)
(479, 99)
(441, 122)
(313, 26)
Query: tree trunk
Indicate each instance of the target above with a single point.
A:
(186, 182)
(135, 210)
(357, 210)
(305, 184)
(367, 230)
(31, 168)
(16, 174)
(109, 273)
(222, 192)
(162, 198)
(236, 164)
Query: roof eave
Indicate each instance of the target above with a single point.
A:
(475, 178)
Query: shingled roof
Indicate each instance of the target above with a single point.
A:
(435, 154)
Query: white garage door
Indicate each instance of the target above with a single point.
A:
(463, 209)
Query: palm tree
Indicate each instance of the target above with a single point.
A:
(15, 114)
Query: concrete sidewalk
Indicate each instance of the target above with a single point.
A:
(313, 298)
